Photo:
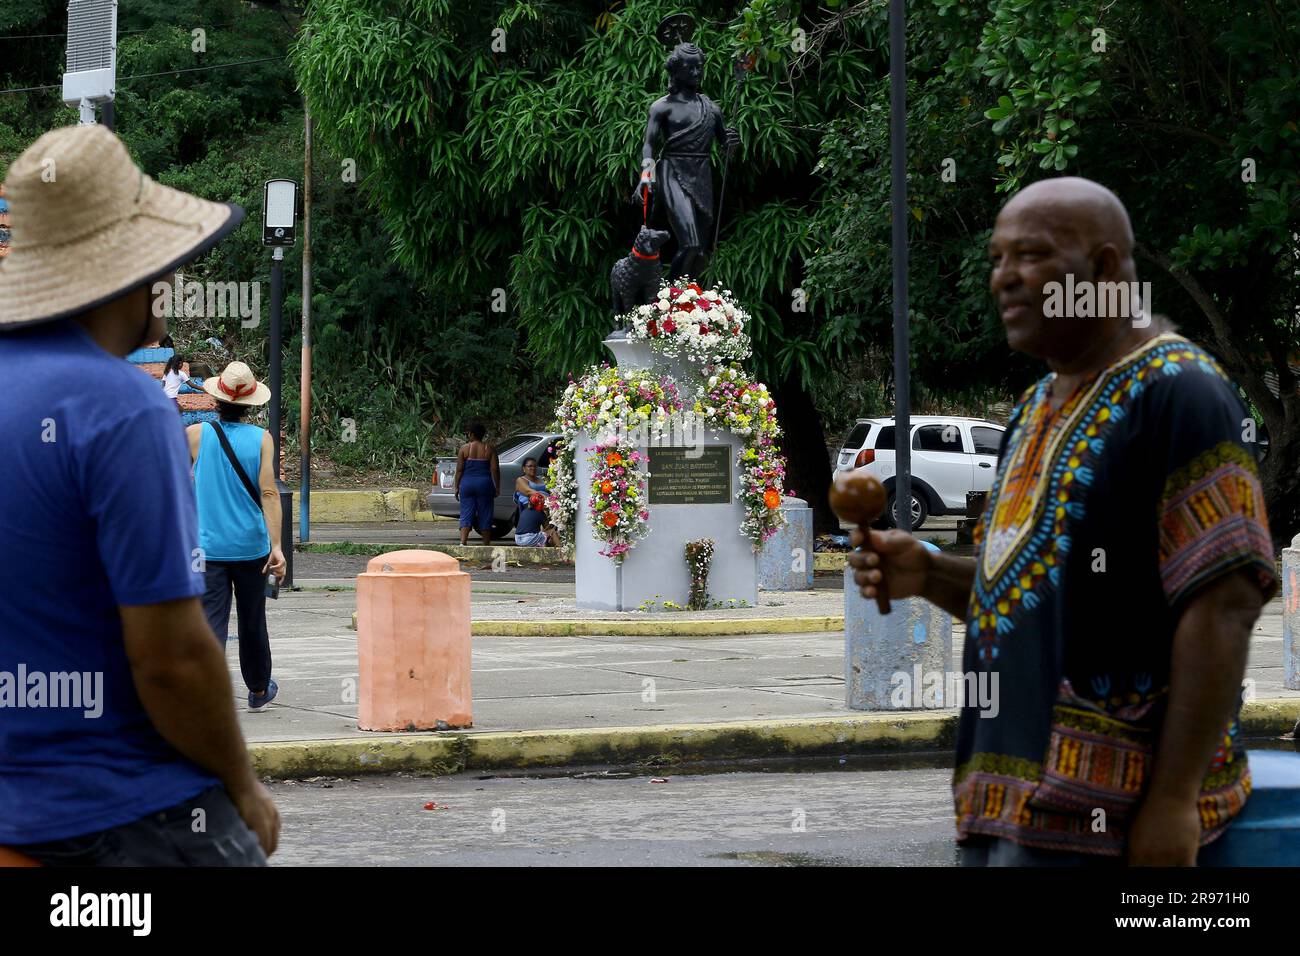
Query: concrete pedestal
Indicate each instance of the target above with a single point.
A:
(897, 661)
(786, 561)
(1291, 616)
(655, 569)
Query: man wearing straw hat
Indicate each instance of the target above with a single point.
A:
(119, 743)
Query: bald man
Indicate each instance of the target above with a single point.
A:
(1119, 567)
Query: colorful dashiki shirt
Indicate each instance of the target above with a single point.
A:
(1106, 515)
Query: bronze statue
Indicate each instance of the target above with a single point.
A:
(681, 187)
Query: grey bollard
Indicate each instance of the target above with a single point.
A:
(1291, 616)
(895, 661)
(786, 560)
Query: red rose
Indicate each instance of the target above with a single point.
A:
(694, 288)
(674, 291)
(687, 307)
(704, 330)
(670, 326)
(653, 328)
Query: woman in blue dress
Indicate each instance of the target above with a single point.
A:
(478, 481)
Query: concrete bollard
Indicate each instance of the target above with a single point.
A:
(413, 643)
(897, 661)
(786, 561)
(1291, 615)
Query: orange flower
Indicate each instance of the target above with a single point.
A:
(606, 487)
(610, 519)
(613, 458)
(772, 498)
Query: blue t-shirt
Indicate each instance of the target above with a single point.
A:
(96, 511)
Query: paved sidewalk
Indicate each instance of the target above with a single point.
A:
(536, 683)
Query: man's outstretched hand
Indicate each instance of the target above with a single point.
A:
(895, 557)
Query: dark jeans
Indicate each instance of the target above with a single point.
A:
(249, 585)
(177, 836)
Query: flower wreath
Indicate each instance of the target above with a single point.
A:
(703, 325)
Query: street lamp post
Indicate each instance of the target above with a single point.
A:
(279, 222)
(898, 210)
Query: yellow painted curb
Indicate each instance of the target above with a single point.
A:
(473, 553)
(1271, 717)
(627, 628)
(457, 751)
(454, 752)
(830, 560)
(349, 506)
(387, 754)
(658, 628)
(805, 736)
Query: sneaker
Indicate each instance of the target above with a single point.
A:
(258, 702)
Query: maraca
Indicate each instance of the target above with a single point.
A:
(860, 498)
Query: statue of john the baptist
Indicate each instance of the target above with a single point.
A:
(687, 122)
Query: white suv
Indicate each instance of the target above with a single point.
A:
(950, 457)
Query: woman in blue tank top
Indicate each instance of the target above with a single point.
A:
(478, 482)
(239, 522)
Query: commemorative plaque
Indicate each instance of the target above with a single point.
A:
(678, 478)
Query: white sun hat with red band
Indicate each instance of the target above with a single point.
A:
(237, 386)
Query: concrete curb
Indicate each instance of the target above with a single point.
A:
(658, 628)
(473, 553)
(452, 752)
(714, 627)
(830, 560)
(351, 506)
(455, 752)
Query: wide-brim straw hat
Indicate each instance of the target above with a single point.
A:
(89, 226)
(237, 386)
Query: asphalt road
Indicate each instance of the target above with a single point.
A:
(819, 817)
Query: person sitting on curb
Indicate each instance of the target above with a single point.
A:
(533, 531)
(94, 464)
(239, 524)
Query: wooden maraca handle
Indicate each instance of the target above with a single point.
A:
(860, 498)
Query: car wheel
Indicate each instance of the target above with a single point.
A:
(919, 511)
(501, 529)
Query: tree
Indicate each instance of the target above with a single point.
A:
(1192, 124)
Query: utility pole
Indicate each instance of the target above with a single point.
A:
(304, 421)
(898, 215)
(279, 227)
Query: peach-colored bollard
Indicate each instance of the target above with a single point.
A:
(413, 643)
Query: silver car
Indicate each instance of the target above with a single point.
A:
(511, 453)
